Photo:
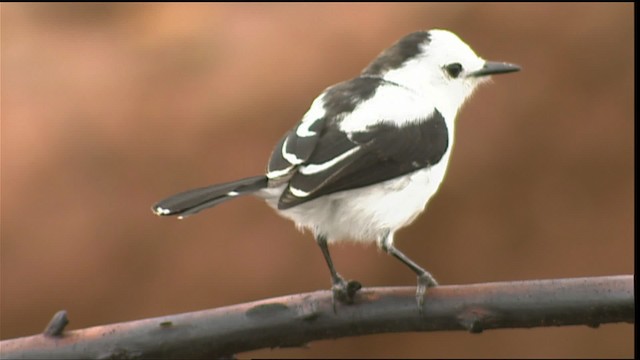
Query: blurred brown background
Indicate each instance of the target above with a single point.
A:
(106, 108)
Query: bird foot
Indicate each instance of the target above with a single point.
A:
(424, 281)
(344, 291)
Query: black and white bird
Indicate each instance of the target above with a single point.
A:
(370, 152)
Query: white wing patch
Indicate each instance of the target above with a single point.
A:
(316, 112)
(274, 174)
(303, 128)
(396, 105)
(298, 193)
(291, 158)
(316, 168)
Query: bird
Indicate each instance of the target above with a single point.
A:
(369, 154)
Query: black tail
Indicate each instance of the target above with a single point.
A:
(192, 201)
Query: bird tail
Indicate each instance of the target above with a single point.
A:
(192, 201)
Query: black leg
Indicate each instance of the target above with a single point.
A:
(344, 291)
(425, 279)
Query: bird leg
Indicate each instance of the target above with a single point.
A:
(343, 291)
(425, 279)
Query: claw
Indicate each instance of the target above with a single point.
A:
(344, 291)
(424, 281)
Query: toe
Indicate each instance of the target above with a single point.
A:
(345, 291)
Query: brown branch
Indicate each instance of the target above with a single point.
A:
(298, 319)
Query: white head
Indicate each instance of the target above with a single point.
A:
(438, 64)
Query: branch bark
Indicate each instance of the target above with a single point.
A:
(298, 319)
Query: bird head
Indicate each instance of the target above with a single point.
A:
(437, 64)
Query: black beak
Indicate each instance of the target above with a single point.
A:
(493, 67)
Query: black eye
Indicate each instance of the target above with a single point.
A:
(453, 70)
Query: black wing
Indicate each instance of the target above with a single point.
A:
(382, 153)
(297, 146)
(319, 158)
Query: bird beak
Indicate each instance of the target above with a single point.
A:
(494, 67)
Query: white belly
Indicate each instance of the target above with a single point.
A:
(365, 214)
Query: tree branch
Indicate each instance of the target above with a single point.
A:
(298, 319)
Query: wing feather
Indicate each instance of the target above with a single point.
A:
(318, 157)
(384, 152)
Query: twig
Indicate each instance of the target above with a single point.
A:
(57, 324)
(298, 319)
